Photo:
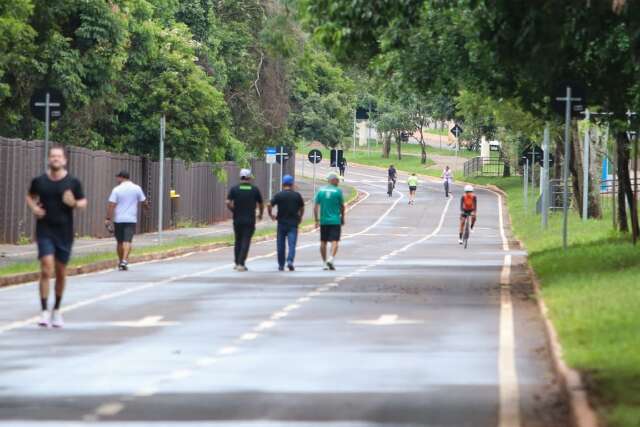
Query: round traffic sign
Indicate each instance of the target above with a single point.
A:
(38, 103)
(315, 156)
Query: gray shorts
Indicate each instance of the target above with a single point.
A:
(124, 231)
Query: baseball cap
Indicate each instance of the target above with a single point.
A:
(287, 180)
(123, 174)
(245, 173)
(332, 175)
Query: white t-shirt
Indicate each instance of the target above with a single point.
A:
(126, 196)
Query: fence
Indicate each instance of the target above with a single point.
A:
(201, 201)
(486, 166)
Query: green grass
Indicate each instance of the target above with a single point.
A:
(180, 243)
(443, 132)
(593, 294)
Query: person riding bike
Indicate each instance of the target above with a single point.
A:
(391, 181)
(468, 208)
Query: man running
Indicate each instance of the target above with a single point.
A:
(52, 198)
(412, 181)
(468, 208)
(122, 212)
(447, 179)
(242, 201)
(290, 213)
(329, 213)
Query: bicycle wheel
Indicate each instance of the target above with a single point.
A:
(465, 236)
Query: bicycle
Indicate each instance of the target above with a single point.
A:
(391, 185)
(466, 230)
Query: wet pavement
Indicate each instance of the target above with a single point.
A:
(410, 330)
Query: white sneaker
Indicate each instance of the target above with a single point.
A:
(241, 268)
(44, 320)
(325, 265)
(56, 319)
(460, 241)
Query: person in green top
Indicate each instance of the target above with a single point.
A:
(413, 185)
(329, 212)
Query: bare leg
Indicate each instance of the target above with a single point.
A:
(461, 225)
(334, 249)
(473, 221)
(126, 250)
(46, 272)
(323, 251)
(61, 279)
(120, 252)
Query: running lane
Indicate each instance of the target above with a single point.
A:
(410, 329)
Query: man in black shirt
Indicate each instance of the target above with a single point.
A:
(242, 201)
(52, 198)
(290, 212)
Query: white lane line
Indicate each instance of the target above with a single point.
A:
(146, 391)
(303, 300)
(225, 351)
(279, 315)
(249, 336)
(291, 307)
(181, 374)
(206, 361)
(264, 325)
(109, 409)
(509, 389)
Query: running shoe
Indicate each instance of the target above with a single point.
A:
(124, 266)
(460, 240)
(325, 266)
(242, 268)
(45, 319)
(330, 264)
(291, 267)
(56, 319)
(280, 268)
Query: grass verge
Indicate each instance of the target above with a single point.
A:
(593, 294)
(181, 243)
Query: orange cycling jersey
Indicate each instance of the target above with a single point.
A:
(468, 202)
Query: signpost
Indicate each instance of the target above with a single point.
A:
(315, 157)
(47, 104)
(161, 183)
(456, 130)
(270, 158)
(282, 156)
(570, 98)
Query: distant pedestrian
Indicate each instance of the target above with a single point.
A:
(342, 166)
(412, 181)
(52, 197)
(122, 214)
(290, 213)
(243, 199)
(447, 179)
(329, 214)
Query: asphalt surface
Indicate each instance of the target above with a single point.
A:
(410, 330)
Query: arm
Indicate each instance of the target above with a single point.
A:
(260, 211)
(475, 204)
(111, 207)
(342, 214)
(316, 213)
(74, 197)
(36, 209)
(229, 204)
(270, 212)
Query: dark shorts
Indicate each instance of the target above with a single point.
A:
(54, 245)
(124, 231)
(465, 213)
(413, 188)
(330, 233)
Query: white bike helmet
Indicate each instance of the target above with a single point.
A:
(468, 188)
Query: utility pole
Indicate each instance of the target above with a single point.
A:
(525, 183)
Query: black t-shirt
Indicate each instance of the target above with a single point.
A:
(289, 203)
(392, 172)
(245, 198)
(58, 219)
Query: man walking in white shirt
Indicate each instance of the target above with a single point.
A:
(122, 212)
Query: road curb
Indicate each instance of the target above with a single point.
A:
(95, 267)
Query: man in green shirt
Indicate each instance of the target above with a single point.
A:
(412, 181)
(329, 215)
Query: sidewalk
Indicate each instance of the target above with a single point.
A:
(86, 245)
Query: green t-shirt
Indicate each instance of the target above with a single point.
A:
(330, 200)
(412, 181)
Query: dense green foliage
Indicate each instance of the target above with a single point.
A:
(231, 76)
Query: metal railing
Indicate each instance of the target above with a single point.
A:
(485, 166)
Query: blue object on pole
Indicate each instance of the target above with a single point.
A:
(271, 150)
(605, 175)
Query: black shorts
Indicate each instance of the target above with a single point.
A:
(124, 231)
(330, 233)
(465, 213)
(57, 246)
(413, 188)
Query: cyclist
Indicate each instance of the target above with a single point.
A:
(447, 179)
(468, 208)
(413, 185)
(393, 175)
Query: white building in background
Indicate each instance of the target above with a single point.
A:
(486, 147)
(363, 132)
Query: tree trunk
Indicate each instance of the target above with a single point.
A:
(399, 144)
(576, 166)
(625, 190)
(423, 147)
(386, 145)
(559, 154)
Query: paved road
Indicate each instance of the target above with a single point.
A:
(411, 330)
